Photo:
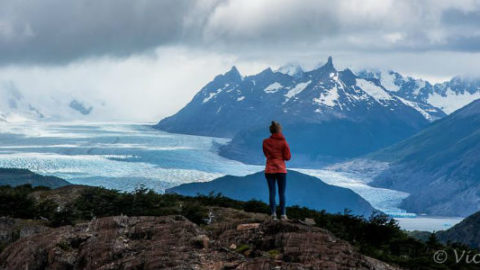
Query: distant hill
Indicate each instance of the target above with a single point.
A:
(439, 167)
(466, 232)
(302, 190)
(17, 177)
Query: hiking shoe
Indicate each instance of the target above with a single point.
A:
(274, 217)
(284, 218)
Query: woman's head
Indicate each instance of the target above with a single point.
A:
(275, 127)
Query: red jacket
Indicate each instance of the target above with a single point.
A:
(276, 151)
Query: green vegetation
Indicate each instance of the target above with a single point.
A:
(378, 237)
(242, 248)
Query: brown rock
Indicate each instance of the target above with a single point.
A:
(109, 243)
(248, 226)
(173, 242)
(201, 240)
(309, 221)
(12, 229)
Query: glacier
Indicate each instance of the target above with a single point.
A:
(124, 156)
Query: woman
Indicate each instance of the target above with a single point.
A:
(276, 151)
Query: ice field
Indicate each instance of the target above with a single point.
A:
(125, 156)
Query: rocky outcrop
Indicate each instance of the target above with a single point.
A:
(12, 229)
(173, 242)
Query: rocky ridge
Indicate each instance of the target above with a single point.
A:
(233, 240)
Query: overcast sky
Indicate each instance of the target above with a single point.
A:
(147, 58)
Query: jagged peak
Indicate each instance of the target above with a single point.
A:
(234, 73)
(266, 71)
(328, 66)
(329, 61)
(348, 76)
(348, 71)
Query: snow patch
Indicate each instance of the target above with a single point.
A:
(419, 85)
(211, 95)
(241, 98)
(416, 107)
(272, 88)
(297, 89)
(452, 101)
(328, 98)
(387, 79)
(373, 90)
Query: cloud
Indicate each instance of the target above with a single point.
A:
(145, 59)
(59, 31)
(370, 25)
(135, 88)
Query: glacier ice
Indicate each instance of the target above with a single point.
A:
(124, 156)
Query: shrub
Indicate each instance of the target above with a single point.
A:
(256, 206)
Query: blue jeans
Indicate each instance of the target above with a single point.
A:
(281, 179)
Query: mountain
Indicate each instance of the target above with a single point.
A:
(465, 232)
(17, 177)
(437, 99)
(326, 114)
(17, 106)
(291, 69)
(439, 166)
(302, 190)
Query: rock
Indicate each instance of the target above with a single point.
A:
(201, 240)
(152, 243)
(12, 229)
(173, 242)
(309, 221)
(249, 226)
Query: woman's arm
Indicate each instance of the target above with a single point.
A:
(286, 152)
(264, 150)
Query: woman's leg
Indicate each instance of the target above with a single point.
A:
(282, 185)
(271, 191)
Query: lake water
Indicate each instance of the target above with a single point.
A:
(125, 156)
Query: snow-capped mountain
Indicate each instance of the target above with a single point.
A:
(291, 69)
(438, 99)
(15, 106)
(350, 115)
(455, 94)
